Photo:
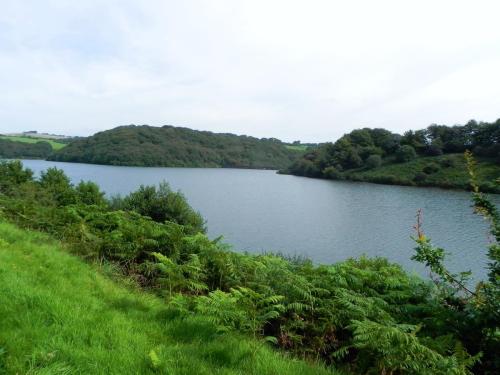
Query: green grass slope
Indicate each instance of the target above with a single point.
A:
(55, 145)
(59, 315)
(450, 171)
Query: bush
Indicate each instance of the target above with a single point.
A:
(431, 168)
(332, 173)
(420, 177)
(373, 161)
(12, 174)
(405, 153)
(447, 162)
(58, 185)
(162, 205)
(89, 193)
(433, 150)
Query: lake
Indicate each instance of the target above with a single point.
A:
(327, 221)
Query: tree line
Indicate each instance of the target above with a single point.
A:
(366, 149)
(12, 150)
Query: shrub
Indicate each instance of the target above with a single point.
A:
(162, 204)
(12, 175)
(373, 161)
(447, 162)
(420, 177)
(89, 193)
(58, 185)
(405, 153)
(331, 173)
(433, 150)
(431, 168)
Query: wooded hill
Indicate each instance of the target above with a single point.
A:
(169, 146)
(427, 157)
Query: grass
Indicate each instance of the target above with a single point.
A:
(454, 176)
(59, 315)
(297, 147)
(55, 145)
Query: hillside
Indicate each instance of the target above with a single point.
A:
(55, 144)
(445, 171)
(61, 316)
(10, 149)
(427, 157)
(170, 146)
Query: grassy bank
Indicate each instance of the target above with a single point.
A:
(445, 171)
(59, 315)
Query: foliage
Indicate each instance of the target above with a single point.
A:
(11, 149)
(162, 204)
(405, 153)
(55, 144)
(451, 174)
(58, 185)
(169, 146)
(431, 168)
(420, 178)
(12, 175)
(480, 308)
(355, 156)
(62, 316)
(331, 173)
(373, 161)
(361, 315)
(88, 193)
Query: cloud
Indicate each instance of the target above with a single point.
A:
(287, 69)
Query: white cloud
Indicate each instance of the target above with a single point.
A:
(308, 70)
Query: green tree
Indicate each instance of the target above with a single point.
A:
(405, 153)
(55, 182)
(331, 173)
(89, 193)
(12, 175)
(373, 161)
(162, 204)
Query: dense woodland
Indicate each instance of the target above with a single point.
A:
(12, 149)
(360, 316)
(170, 146)
(364, 155)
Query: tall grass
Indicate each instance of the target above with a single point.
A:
(59, 315)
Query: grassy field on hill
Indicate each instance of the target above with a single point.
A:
(55, 145)
(59, 315)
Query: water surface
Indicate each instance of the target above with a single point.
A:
(328, 221)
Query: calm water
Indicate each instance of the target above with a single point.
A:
(328, 221)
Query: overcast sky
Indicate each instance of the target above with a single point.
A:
(309, 70)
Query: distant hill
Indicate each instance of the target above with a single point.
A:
(170, 146)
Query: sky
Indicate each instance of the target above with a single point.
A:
(307, 70)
